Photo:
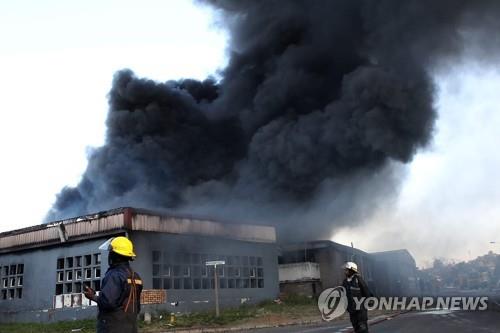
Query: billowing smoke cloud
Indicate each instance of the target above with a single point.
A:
(318, 104)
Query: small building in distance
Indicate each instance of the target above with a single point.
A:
(44, 268)
(396, 273)
(308, 268)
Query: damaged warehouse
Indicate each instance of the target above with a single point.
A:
(307, 268)
(45, 268)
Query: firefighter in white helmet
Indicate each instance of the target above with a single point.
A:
(119, 298)
(356, 287)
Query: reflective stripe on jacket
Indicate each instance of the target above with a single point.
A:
(119, 300)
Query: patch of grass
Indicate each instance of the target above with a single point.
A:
(292, 307)
(86, 326)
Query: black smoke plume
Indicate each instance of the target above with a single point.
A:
(317, 100)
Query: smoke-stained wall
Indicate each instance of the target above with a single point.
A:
(39, 283)
(40, 275)
(317, 102)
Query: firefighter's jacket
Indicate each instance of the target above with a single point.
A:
(119, 300)
(355, 288)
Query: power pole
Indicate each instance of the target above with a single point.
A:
(216, 282)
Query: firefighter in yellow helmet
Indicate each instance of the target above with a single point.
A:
(119, 298)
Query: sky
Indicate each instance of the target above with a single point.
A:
(57, 60)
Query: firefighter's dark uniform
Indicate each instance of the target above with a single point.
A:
(357, 288)
(119, 300)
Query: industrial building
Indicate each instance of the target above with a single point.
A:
(43, 268)
(396, 273)
(308, 268)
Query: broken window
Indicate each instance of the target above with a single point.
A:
(259, 261)
(72, 270)
(220, 270)
(59, 289)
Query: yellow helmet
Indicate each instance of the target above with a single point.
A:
(121, 245)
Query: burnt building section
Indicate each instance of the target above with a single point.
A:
(309, 267)
(396, 274)
(44, 268)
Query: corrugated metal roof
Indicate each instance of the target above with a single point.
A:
(122, 219)
(180, 225)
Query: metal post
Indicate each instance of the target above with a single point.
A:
(216, 263)
(216, 281)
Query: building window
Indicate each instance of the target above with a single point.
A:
(166, 270)
(11, 281)
(190, 271)
(72, 270)
(78, 261)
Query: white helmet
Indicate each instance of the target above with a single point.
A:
(350, 265)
